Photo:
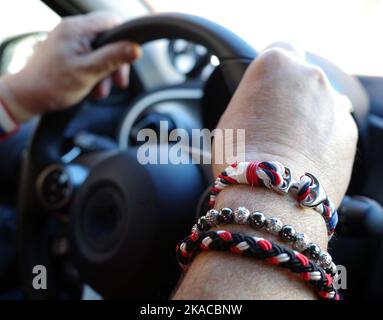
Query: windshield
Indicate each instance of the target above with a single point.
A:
(347, 32)
(23, 16)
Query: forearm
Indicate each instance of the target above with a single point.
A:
(215, 275)
(291, 115)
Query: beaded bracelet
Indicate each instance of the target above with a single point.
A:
(257, 220)
(260, 249)
(273, 175)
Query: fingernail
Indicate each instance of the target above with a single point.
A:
(134, 51)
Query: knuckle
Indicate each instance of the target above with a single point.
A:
(318, 75)
(65, 26)
(274, 57)
(274, 63)
(65, 23)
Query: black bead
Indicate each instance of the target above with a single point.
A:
(288, 233)
(202, 224)
(313, 251)
(257, 220)
(225, 216)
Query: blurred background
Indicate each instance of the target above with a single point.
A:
(346, 32)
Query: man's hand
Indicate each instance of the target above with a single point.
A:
(292, 115)
(65, 69)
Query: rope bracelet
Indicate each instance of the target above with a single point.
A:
(257, 220)
(260, 249)
(273, 175)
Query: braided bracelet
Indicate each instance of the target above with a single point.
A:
(273, 175)
(257, 220)
(260, 249)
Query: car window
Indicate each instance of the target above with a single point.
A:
(22, 16)
(347, 32)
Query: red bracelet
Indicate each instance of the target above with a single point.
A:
(273, 175)
(8, 123)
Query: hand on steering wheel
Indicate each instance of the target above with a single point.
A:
(65, 69)
(292, 114)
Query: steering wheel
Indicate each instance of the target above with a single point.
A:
(125, 218)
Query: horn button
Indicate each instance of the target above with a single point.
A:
(126, 220)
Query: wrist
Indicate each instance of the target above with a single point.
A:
(304, 220)
(219, 275)
(299, 165)
(17, 106)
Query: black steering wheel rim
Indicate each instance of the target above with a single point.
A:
(45, 147)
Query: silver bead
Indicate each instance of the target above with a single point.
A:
(324, 260)
(195, 229)
(241, 215)
(301, 242)
(257, 220)
(274, 225)
(313, 251)
(202, 224)
(225, 216)
(288, 233)
(212, 217)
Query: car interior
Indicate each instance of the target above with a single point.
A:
(73, 196)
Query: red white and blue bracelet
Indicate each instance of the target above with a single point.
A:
(8, 124)
(275, 176)
(257, 220)
(259, 249)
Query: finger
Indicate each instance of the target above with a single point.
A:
(108, 59)
(97, 21)
(102, 89)
(121, 76)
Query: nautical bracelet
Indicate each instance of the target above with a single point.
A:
(273, 175)
(257, 220)
(260, 249)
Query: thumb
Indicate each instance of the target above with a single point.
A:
(108, 59)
